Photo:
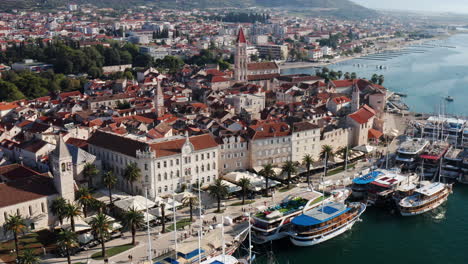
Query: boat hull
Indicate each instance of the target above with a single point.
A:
(425, 210)
(317, 239)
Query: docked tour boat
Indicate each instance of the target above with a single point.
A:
(409, 151)
(425, 199)
(361, 184)
(272, 223)
(382, 190)
(325, 222)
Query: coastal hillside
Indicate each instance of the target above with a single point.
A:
(340, 8)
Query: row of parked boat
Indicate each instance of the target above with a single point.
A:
(310, 217)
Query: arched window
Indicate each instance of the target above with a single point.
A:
(159, 176)
(214, 165)
(196, 169)
(172, 174)
(208, 179)
(165, 188)
(159, 190)
(63, 167)
(165, 176)
(202, 168)
(208, 166)
(203, 179)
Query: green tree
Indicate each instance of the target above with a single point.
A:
(381, 79)
(132, 220)
(85, 199)
(347, 76)
(72, 211)
(353, 76)
(101, 227)
(339, 74)
(58, 208)
(267, 172)
(218, 190)
(307, 160)
(289, 167)
(132, 174)
(374, 78)
(9, 92)
(343, 154)
(67, 239)
(28, 257)
(110, 180)
(326, 154)
(16, 225)
(244, 184)
(90, 171)
(162, 208)
(190, 201)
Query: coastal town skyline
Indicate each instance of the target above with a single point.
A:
(232, 132)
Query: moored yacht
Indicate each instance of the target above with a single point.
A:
(324, 222)
(382, 190)
(272, 223)
(409, 151)
(361, 184)
(425, 199)
(431, 157)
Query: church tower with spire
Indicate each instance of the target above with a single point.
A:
(62, 170)
(158, 100)
(241, 59)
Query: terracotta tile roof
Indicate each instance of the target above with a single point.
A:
(7, 106)
(23, 185)
(259, 77)
(374, 133)
(240, 36)
(341, 100)
(343, 83)
(80, 143)
(363, 115)
(173, 147)
(256, 66)
(271, 129)
(116, 143)
(302, 126)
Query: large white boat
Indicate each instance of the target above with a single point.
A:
(382, 190)
(425, 199)
(272, 223)
(409, 151)
(325, 222)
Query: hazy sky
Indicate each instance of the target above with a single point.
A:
(459, 6)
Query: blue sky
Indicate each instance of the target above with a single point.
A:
(459, 6)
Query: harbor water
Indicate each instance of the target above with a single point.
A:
(440, 236)
(427, 73)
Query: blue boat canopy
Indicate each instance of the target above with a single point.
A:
(171, 260)
(368, 178)
(191, 254)
(320, 215)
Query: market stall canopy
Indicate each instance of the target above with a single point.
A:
(138, 202)
(80, 225)
(85, 238)
(231, 186)
(364, 148)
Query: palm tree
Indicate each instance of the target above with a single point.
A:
(85, 199)
(340, 74)
(374, 78)
(190, 200)
(289, 167)
(109, 181)
(58, 208)
(326, 154)
(267, 172)
(67, 239)
(72, 210)
(307, 160)
(132, 173)
(343, 154)
(89, 172)
(28, 257)
(347, 76)
(133, 219)
(245, 184)
(381, 79)
(218, 190)
(16, 225)
(353, 75)
(101, 226)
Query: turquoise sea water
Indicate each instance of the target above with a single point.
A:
(440, 236)
(426, 77)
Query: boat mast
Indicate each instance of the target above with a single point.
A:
(201, 223)
(346, 159)
(175, 218)
(150, 250)
(222, 236)
(250, 240)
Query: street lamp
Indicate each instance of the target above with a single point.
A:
(150, 251)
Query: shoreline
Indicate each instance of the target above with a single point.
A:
(304, 64)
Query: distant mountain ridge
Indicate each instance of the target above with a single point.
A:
(342, 8)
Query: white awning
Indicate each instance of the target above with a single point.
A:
(137, 202)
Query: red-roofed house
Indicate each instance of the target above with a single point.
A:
(360, 122)
(336, 104)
